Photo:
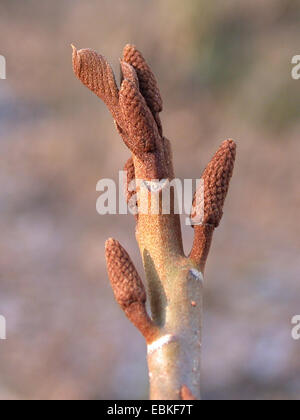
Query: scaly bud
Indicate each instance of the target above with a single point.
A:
(138, 120)
(148, 84)
(128, 288)
(128, 72)
(216, 179)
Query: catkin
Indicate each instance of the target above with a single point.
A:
(126, 283)
(216, 179)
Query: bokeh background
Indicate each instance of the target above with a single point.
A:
(224, 69)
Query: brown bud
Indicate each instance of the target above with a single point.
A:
(148, 84)
(128, 72)
(138, 120)
(168, 157)
(95, 73)
(126, 283)
(128, 289)
(216, 179)
(130, 177)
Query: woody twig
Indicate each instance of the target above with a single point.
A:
(174, 281)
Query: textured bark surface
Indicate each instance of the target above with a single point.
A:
(174, 281)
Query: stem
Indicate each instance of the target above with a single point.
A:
(175, 289)
(174, 359)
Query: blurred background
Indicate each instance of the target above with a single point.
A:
(224, 69)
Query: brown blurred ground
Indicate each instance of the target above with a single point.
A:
(224, 71)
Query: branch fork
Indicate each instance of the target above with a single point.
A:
(174, 281)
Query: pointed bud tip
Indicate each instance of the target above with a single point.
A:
(109, 242)
(76, 60)
(74, 51)
(129, 47)
(229, 144)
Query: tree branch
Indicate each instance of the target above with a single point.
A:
(174, 281)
